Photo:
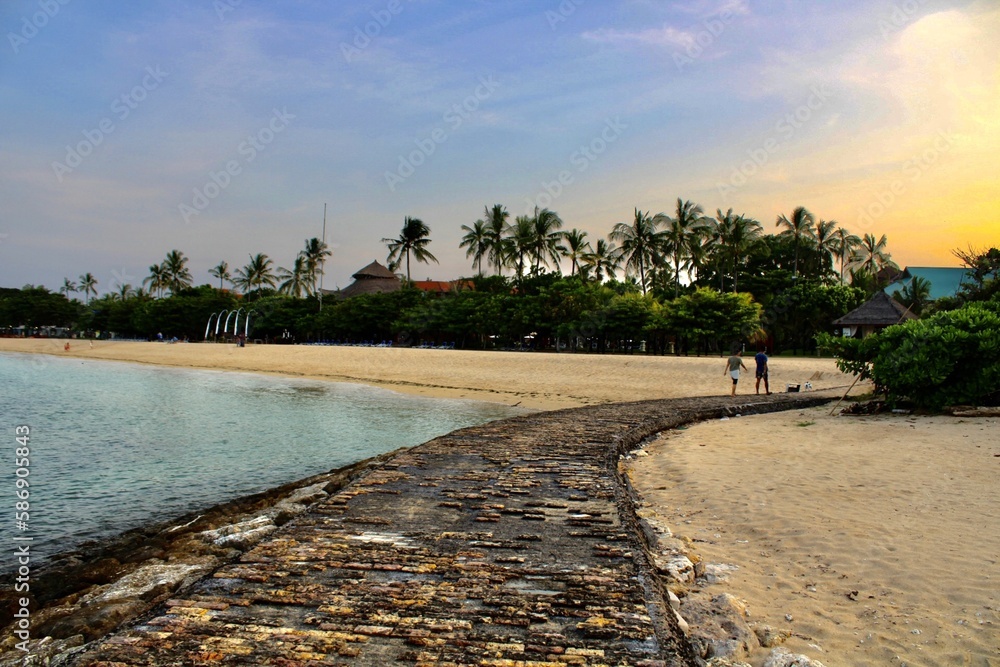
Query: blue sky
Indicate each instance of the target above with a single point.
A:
(221, 128)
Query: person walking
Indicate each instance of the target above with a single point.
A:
(733, 366)
(761, 359)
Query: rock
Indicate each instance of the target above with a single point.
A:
(681, 623)
(246, 539)
(307, 495)
(671, 546)
(718, 627)
(92, 621)
(650, 532)
(726, 662)
(782, 657)
(770, 637)
(149, 581)
(715, 573)
(244, 534)
(677, 567)
(675, 602)
(42, 652)
(297, 503)
(234, 528)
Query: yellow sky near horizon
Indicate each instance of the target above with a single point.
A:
(942, 190)
(923, 173)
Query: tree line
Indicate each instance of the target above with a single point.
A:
(654, 268)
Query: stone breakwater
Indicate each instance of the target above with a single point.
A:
(512, 543)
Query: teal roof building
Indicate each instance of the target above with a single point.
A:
(944, 280)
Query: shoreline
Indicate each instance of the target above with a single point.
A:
(531, 380)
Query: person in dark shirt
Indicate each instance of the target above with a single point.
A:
(761, 359)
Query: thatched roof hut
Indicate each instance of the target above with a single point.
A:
(372, 279)
(878, 313)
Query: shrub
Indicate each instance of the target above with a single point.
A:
(951, 358)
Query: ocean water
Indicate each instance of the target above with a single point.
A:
(115, 445)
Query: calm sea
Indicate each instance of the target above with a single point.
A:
(115, 445)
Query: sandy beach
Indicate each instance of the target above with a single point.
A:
(532, 380)
(878, 537)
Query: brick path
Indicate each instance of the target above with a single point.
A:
(507, 544)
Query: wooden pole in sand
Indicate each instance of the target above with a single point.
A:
(845, 395)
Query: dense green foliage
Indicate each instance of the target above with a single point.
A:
(36, 307)
(546, 311)
(951, 358)
(181, 315)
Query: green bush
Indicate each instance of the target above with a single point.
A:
(951, 358)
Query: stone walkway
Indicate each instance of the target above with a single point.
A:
(508, 544)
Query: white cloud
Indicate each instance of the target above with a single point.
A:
(665, 36)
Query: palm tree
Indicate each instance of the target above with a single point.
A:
(255, 275)
(603, 260)
(682, 237)
(915, 295)
(641, 244)
(497, 229)
(871, 255)
(412, 240)
(545, 244)
(738, 234)
(176, 273)
(719, 231)
(157, 279)
(88, 285)
(221, 271)
(477, 244)
(844, 248)
(518, 245)
(315, 254)
(298, 280)
(124, 292)
(798, 226)
(577, 248)
(825, 236)
(68, 286)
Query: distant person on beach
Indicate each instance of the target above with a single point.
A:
(761, 360)
(733, 366)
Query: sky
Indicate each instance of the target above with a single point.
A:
(222, 128)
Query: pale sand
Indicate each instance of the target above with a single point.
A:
(903, 510)
(533, 380)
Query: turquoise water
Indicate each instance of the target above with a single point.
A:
(115, 445)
